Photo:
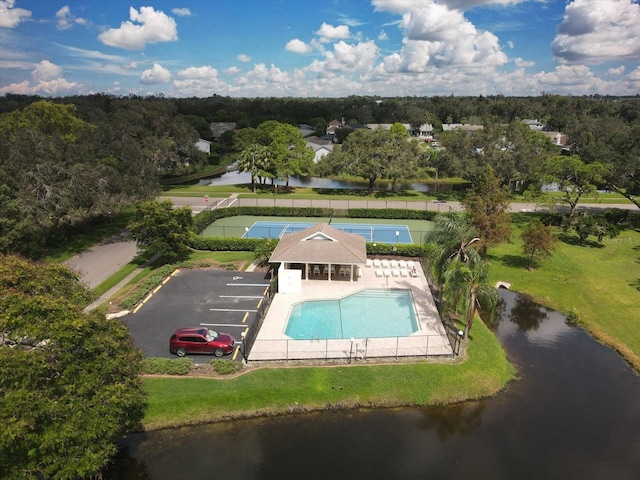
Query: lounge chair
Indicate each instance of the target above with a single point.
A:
(387, 272)
(404, 272)
(369, 263)
(402, 263)
(316, 269)
(376, 263)
(385, 263)
(395, 272)
(394, 264)
(378, 272)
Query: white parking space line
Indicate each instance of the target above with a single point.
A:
(240, 296)
(247, 284)
(223, 325)
(231, 310)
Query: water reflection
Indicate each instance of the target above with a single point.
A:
(574, 413)
(234, 178)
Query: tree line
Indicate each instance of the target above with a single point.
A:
(67, 163)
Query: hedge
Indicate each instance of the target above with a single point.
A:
(224, 244)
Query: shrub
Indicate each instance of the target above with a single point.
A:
(166, 366)
(401, 249)
(226, 367)
(572, 316)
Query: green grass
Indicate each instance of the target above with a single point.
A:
(602, 283)
(270, 391)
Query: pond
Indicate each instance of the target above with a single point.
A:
(574, 414)
(235, 177)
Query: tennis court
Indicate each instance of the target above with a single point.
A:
(372, 232)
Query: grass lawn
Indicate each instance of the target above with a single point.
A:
(270, 391)
(601, 282)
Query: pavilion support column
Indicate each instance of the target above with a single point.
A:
(329, 272)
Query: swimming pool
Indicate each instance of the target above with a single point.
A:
(369, 313)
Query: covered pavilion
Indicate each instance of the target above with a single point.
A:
(322, 252)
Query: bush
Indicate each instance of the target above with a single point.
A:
(225, 367)
(166, 366)
(572, 316)
(225, 244)
(401, 249)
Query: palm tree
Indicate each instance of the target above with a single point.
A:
(253, 159)
(458, 267)
(466, 288)
(452, 240)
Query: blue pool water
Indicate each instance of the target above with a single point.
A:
(370, 313)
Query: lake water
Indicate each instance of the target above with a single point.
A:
(574, 414)
(235, 177)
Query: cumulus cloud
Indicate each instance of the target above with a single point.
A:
(383, 35)
(10, 16)
(233, 70)
(198, 81)
(46, 70)
(145, 26)
(48, 82)
(329, 33)
(596, 32)
(181, 12)
(244, 58)
(154, 75)
(298, 46)
(65, 20)
(350, 58)
(520, 63)
(438, 36)
(616, 71)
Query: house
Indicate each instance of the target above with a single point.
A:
(203, 145)
(333, 126)
(461, 127)
(218, 128)
(306, 130)
(534, 124)
(320, 146)
(320, 252)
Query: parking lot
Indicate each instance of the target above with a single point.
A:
(220, 300)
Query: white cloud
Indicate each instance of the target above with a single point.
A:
(351, 58)
(244, 58)
(204, 72)
(46, 70)
(298, 46)
(65, 20)
(48, 82)
(598, 31)
(156, 74)
(383, 35)
(198, 81)
(233, 70)
(616, 71)
(510, 44)
(154, 26)
(521, 63)
(437, 36)
(10, 16)
(181, 12)
(328, 33)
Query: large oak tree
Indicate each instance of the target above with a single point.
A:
(69, 381)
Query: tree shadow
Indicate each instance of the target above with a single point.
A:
(635, 284)
(573, 240)
(514, 261)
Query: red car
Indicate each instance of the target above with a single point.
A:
(200, 340)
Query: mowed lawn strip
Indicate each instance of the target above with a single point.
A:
(602, 283)
(269, 391)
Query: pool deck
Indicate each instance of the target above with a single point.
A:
(430, 340)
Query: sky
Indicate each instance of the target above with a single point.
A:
(320, 48)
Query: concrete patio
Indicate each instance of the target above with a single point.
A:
(430, 340)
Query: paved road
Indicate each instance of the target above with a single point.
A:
(101, 261)
(198, 204)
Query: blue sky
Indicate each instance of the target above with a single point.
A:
(320, 48)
